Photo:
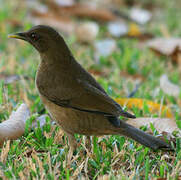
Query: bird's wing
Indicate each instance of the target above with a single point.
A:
(98, 100)
(88, 98)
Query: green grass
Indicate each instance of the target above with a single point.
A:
(42, 153)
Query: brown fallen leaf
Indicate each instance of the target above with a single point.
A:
(81, 10)
(165, 46)
(97, 72)
(170, 47)
(63, 24)
(98, 10)
(144, 36)
(136, 76)
(161, 124)
(176, 56)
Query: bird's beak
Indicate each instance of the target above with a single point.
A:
(18, 36)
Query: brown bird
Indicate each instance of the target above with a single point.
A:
(72, 96)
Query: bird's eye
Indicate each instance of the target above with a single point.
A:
(34, 36)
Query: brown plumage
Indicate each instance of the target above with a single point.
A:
(73, 97)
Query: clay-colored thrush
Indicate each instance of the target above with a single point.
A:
(73, 97)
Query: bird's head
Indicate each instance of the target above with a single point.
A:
(43, 38)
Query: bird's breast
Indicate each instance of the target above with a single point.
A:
(47, 76)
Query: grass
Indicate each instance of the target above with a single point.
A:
(42, 153)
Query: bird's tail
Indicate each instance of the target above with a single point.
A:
(143, 138)
(127, 114)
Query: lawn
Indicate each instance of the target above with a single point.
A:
(41, 153)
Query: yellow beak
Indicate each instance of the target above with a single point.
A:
(18, 36)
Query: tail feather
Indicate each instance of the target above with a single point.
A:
(143, 138)
(127, 114)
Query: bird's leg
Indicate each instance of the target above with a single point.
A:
(72, 146)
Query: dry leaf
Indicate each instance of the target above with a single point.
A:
(82, 10)
(135, 77)
(161, 124)
(134, 30)
(15, 125)
(63, 24)
(139, 103)
(97, 72)
(167, 46)
(168, 87)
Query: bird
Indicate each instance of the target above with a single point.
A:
(72, 96)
